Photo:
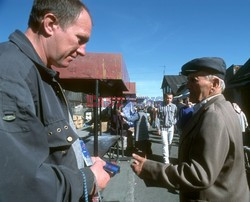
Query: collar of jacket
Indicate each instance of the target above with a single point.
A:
(27, 48)
(203, 102)
(192, 122)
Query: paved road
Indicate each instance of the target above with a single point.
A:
(127, 187)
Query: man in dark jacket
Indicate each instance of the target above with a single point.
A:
(41, 157)
(211, 161)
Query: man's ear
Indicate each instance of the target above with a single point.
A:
(49, 24)
(216, 82)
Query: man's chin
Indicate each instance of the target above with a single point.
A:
(63, 65)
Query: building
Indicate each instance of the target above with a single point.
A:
(171, 83)
(238, 86)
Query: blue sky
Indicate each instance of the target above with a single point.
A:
(156, 36)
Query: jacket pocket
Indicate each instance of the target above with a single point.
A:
(13, 118)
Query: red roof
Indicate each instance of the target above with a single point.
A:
(82, 73)
(131, 88)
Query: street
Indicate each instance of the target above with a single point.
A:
(128, 187)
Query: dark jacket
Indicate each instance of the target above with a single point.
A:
(141, 123)
(211, 162)
(185, 113)
(37, 160)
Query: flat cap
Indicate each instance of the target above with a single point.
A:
(213, 65)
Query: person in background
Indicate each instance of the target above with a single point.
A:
(127, 111)
(242, 117)
(150, 112)
(211, 160)
(153, 116)
(168, 118)
(141, 136)
(40, 152)
(180, 103)
(246, 138)
(157, 119)
(185, 113)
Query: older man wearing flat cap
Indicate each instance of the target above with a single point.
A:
(211, 162)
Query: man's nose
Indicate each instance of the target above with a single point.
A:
(81, 50)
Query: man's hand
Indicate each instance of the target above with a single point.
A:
(137, 164)
(102, 177)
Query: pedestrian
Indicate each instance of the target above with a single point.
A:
(41, 154)
(141, 136)
(127, 111)
(211, 161)
(180, 103)
(167, 116)
(185, 113)
(246, 139)
(150, 112)
(242, 118)
(157, 120)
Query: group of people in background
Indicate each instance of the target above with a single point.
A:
(166, 118)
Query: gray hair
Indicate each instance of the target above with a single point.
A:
(221, 82)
